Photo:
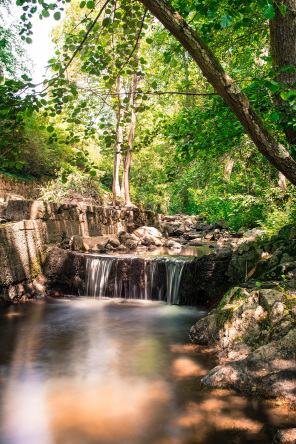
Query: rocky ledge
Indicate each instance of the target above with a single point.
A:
(254, 334)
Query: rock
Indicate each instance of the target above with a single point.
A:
(222, 224)
(148, 240)
(11, 196)
(267, 298)
(251, 235)
(173, 244)
(122, 248)
(77, 244)
(243, 261)
(277, 312)
(113, 241)
(123, 236)
(96, 243)
(180, 230)
(131, 244)
(287, 436)
(147, 231)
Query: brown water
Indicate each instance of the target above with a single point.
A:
(89, 371)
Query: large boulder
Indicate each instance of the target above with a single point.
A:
(147, 231)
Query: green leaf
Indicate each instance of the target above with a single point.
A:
(149, 41)
(90, 4)
(226, 21)
(29, 40)
(154, 84)
(174, 63)
(82, 4)
(274, 117)
(258, 284)
(57, 15)
(50, 129)
(167, 58)
(287, 68)
(269, 12)
(106, 21)
(92, 173)
(284, 95)
(283, 9)
(45, 13)
(19, 166)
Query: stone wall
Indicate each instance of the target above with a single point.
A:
(33, 224)
(27, 189)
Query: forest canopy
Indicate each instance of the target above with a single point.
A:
(181, 106)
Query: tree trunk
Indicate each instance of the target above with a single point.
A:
(128, 156)
(117, 146)
(283, 52)
(225, 86)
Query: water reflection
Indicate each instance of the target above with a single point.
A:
(89, 371)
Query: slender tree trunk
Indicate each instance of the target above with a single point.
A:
(117, 146)
(128, 156)
(283, 52)
(229, 164)
(225, 86)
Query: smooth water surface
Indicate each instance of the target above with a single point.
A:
(185, 251)
(89, 371)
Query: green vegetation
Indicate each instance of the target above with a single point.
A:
(128, 110)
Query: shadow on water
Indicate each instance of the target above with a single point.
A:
(88, 371)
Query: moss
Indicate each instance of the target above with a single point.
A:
(236, 293)
(35, 268)
(224, 316)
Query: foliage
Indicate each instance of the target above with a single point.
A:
(79, 186)
(190, 152)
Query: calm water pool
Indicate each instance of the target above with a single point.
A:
(90, 371)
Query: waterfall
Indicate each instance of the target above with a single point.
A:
(97, 272)
(134, 278)
(173, 277)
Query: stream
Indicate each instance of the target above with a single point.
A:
(110, 371)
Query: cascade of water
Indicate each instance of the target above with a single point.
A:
(97, 271)
(134, 278)
(173, 277)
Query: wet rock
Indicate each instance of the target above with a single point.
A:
(287, 436)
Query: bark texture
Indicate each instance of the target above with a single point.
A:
(283, 52)
(225, 86)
